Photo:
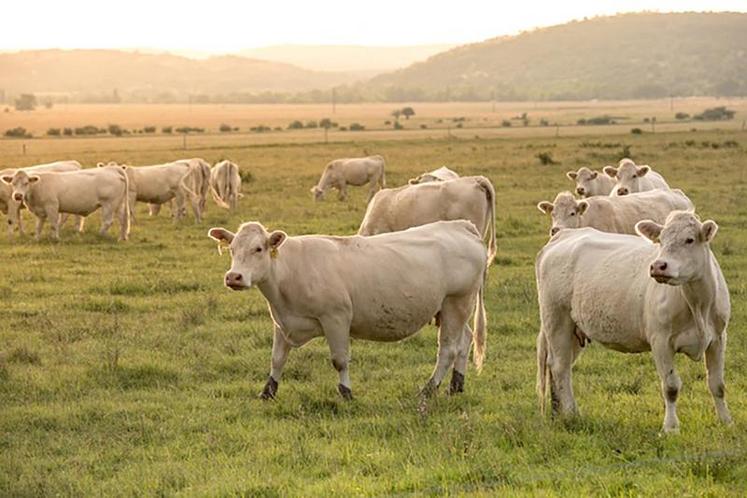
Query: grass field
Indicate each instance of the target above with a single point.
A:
(128, 369)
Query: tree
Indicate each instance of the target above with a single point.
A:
(407, 112)
(26, 102)
(397, 113)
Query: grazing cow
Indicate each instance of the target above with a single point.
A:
(356, 171)
(591, 183)
(13, 207)
(75, 192)
(633, 296)
(630, 178)
(159, 184)
(441, 174)
(613, 214)
(197, 181)
(468, 198)
(225, 184)
(380, 288)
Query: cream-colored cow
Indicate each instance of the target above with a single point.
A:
(631, 178)
(633, 296)
(225, 184)
(354, 171)
(591, 183)
(80, 193)
(380, 288)
(468, 198)
(613, 214)
(441, 174)
(13, 207)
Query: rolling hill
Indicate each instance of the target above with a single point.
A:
(643, 55)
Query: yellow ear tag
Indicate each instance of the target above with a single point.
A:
(274, 252)
(222, 244)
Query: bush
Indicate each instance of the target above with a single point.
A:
(636, 131)
(681, 115)
(423, 126)
(357, 127)
(544, 122)
(87, 130)
(581, 121)
(115, 130)
(720, 113)
(506, 123)
(17, 132)
(460, 125)
(149, 129)
(189, 129)
(166, 129)
(225, 128)
(295, 125)
(387, 122)
(26, 102)
(398, 126)
(260, 129)
(53, 132)
(312, 124)
(343, 128)
(546, 159)
(67, 132)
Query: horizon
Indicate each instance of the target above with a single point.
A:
(444, 27)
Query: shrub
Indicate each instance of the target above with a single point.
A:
(357, 127)
(67, 132)
(423, 126)
(87, 130)
(681, 115)
(387, 122)
(343, 128)
(636, 131)
(295, 125)
(115, 130)
(225, 128)
(17, 132)
(506, 123)
(26, 102)
(260, 129)
(407, 112)
(544, 122)
(720, 113)
(167, 129)
(460, 125)
(581, 121)
(312, 124)
(189, 129)
(546, 159)
(398, 126)
(53, 132)
(149, 129)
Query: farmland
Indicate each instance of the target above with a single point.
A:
(127, 368)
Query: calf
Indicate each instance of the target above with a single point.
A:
(630, 178)
(356, 171)
(380, 288)
(633, 296)
(590, 183)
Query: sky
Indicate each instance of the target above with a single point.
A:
(225, 26)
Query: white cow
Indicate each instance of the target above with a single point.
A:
(613, 214)
(468, 198)
(355, 171)
(380, 288)
(13, 207)
(633, 296)
(630, 178)
(159, 184)
(80, 193)
(591, 183)
(225, 184)
(441, 174)
(197, 181)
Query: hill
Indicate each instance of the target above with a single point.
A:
(107, 75)
(644, 55)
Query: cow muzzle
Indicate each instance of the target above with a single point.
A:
(236, 281)
(18, 197)
(581, 191)
(658, 271)
(622, 191)
(554, 230)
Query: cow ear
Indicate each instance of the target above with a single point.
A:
(708, 230)
(610, 171)
(545, 206)
(100, 165)
(582, 206)
(221, 235)
(413, 181)
(7, 179)
(649, 229)
(643, 170)
(594, 175)
(571, 175)
(34, 178)
(276, 239)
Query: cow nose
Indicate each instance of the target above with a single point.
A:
(233, 278)
(554, 230)
(658, 266)
(580, 191)
(622, 191)
(18, 197)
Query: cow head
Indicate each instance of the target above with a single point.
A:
(20, 182)
(318, 193)
(628, 176)
(565, 212)
(584, 179)
(684, 249)
(252, 252)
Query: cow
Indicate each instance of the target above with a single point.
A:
(631, 178)
(198, 182)
(591, 183)
(80, 193)
(632, 295)
(468, 198)
(159, 184)
(380, 288)
(355, 171)
(613, 214)
(441, 174)
(225, 184)
(13, 207)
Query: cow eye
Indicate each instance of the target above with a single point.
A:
(634, 176)
(689, 240)
(259, 249)
(573, 213)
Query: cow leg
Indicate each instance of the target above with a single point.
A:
(343, 187)
(670, 382)
(124, 225)
(196, 208)
(562, 348)
(19, 219)
(154, 209)
(280, 350)
(714, 359)
(454, 315)
(179, 211)
(80, 222)
(107, 218)
(337, 332)
(54, 221)
(460, 364)
(39, 225)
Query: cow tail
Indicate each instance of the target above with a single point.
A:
(216, 196)
(126, 201)
(543, 371)
(183, 183)
(480, 325)
(383, 173)
(490, 215)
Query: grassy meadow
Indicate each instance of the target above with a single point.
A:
(128, 369)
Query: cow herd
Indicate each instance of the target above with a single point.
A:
(628, 264)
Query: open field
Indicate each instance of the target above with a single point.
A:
(128, 369)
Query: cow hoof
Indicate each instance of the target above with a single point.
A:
(270, 390)
(457, 383)
(428, 390)
(345, 392)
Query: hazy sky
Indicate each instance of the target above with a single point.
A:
(226, 26)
